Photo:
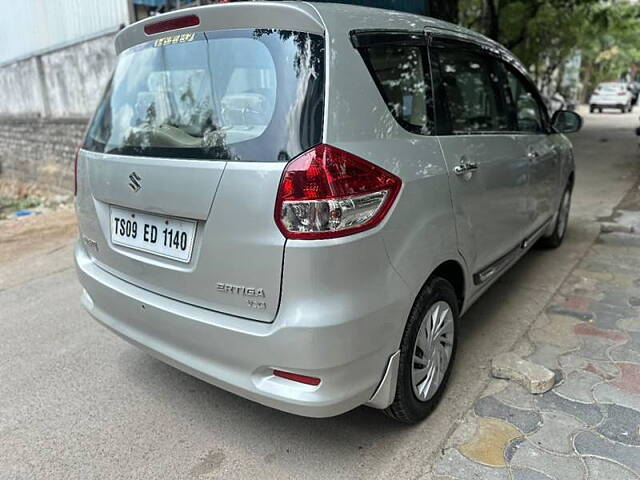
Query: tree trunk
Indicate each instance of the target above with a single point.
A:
(586, 81)
(446, 10)
(493, 23)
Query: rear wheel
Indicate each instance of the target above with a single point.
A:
(562, 219)
(427, 352)
(592, 109)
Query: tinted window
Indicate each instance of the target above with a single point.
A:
(252, 95)
(469, 87)
(521, 97)
(399, 73)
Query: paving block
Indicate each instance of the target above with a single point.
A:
(534, 377)
(593, 445)
(464, 432)
(554, 466)
(578, 385)
(629, 378)
(487, 447)
(556, 432)
(600, 468)
(621, 424)
(526, 474)
(526, 421)
(559, 331)
(608, 393)
(588, 413)
(516, 396)
(454, 464)
(547, 355)
(629, 324)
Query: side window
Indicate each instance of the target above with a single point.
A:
(399, 72)
(522, 100)
(470, 88)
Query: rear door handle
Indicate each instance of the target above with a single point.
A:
(465, 167)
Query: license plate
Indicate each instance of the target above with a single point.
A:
(162, 236)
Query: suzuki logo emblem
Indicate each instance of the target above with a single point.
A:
(136, 181)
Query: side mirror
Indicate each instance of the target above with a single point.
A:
(565, 121)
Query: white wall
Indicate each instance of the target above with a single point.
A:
(67, 83)
(28, 27)
(20, 92)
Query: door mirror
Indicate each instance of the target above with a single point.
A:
(565, 121)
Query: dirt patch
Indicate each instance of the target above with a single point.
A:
(28, 236)
(24, 198)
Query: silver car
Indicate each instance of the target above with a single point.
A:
(296, 202)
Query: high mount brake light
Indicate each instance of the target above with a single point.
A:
(172, 24)
(329, 193)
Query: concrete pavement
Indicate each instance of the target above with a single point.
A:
(78, 402)
(588, 339)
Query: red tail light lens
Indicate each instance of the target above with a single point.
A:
(172, 24)
(297, 377)
(621, 93)
(329, 193)
(75, 171)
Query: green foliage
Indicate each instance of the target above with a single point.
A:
(545, 33)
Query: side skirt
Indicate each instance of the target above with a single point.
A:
(504, 262)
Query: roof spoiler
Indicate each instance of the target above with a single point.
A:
(283, 16)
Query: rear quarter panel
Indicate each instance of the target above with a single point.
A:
(419, 233)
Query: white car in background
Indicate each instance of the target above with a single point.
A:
(611, 95)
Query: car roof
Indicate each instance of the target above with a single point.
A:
(311, 17)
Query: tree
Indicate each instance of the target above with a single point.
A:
(446, 10)
(545, 33)
(610, 45)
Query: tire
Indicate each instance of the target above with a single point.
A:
(623, 110)
(562, 219)
(599, 110)
(408, 407)
(592, 109)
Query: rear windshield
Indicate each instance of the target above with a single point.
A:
(244, 95)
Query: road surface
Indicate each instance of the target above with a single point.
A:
(78, 402)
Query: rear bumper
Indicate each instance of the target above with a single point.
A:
(607, 105)
(238, 355)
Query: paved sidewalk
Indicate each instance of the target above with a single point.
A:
(588, 425)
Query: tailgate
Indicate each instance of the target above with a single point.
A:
(193, 134)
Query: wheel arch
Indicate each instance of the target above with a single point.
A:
(453, 272)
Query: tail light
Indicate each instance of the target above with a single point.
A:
(329, 193)
(172, 24)
(620, 93)
(75, 171)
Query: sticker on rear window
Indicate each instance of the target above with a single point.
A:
(171, 39)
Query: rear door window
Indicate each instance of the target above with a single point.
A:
(399, 72)
(522, 98)
(247, 95)
(469, 86)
